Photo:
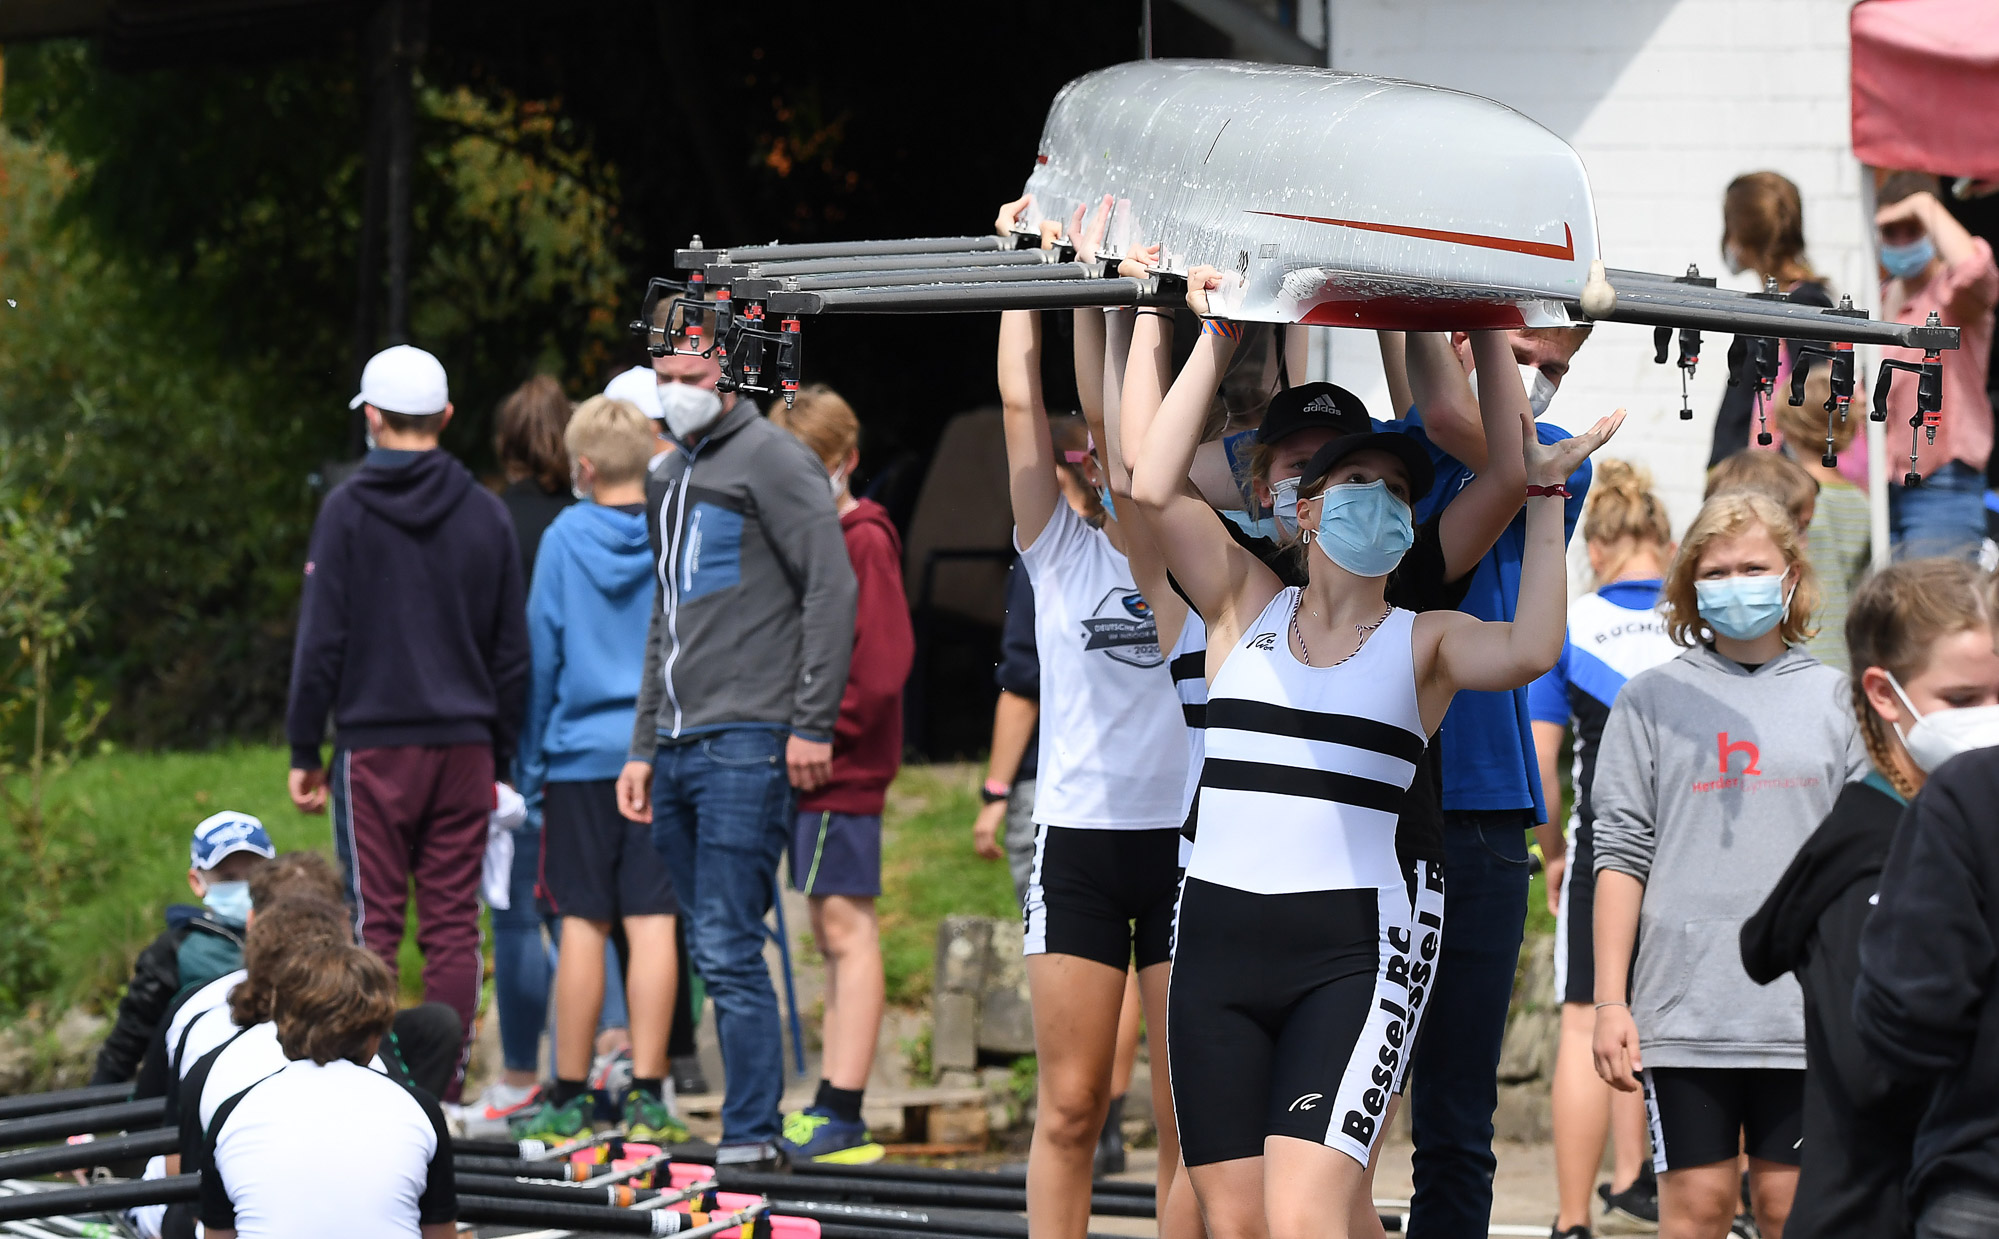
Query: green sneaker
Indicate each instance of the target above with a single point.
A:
(648, 1121)
(552, 1124)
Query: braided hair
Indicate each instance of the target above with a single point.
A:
(1897, 615)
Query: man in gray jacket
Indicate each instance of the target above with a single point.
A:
(746, 661)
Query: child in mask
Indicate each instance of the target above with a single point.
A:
(1714, 768)
(1305, 948)
(1920, 635)
(198, 944)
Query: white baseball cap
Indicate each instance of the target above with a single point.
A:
(403, 379)
(640, 386)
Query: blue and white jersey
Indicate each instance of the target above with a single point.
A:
(1614, 634)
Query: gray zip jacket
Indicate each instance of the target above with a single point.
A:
(1708, 781)
(753, 620)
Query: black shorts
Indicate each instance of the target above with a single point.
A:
(1575, 944)
(595, 863)
(1292, 1015)
(1702, 1115)
(1105, 895)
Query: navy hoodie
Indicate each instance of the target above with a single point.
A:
(412, 625)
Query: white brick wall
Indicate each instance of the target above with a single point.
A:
(1666, 101)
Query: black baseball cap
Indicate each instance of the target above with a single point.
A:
(1422, 474)
(1309, 406)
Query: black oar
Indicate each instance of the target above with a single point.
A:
(942, 1174)
(591, 1217)
(894, 1191)
(514, 1168)
(90, 1153)
(124, 1116)
(26, 1105)
(99, 1197)
(616, 1197)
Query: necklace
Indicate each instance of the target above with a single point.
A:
(1365, 630)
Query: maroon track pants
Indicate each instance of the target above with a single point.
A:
(418, 811)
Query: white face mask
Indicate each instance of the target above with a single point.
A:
(689, 409)
(1539, 387)
(838, 482)
(1942, 734)
(1733, 257)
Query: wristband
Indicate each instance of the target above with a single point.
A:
(1154, 314)
(1221, 327)
(994, 791)
(1600, 1006)
(1558, 490)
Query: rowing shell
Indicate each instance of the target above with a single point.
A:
(1327, 198)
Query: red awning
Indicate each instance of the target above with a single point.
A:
(1926, 86)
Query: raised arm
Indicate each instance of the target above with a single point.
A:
(1494, 657)
(1395, 365)
(1443, 397)
(1216, 573)
(1480, 512)
(1030, 451)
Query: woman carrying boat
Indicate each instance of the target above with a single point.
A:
(1107, 791)
(1302, 943)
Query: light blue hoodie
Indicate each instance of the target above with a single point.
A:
(587, 614)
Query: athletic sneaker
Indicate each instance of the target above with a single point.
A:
(1744, 1226)
(1636, 1206)
(1573, 1232)
(610, 1076)
(756, 1156)
(816, 1134)
(489, 1116)
(552, 1124)
(648, 1121)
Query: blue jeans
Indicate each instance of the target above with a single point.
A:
(523, 962)
(721, 815)
(1454, 1085)
(1943, 516)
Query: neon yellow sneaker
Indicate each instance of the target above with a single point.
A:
(815, 1134)
(648, 1121)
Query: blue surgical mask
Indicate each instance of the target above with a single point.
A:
(1110, 504)
(1742, 607)
(1284, 503)
(229, 901)
(1255, 527)
(1364, 528)
(1903, 261)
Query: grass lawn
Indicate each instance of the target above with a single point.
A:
(929, 871)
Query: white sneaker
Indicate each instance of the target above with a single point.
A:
(487, 1117)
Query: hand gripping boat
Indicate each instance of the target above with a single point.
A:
(1325, 198)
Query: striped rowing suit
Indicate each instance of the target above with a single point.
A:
(1188, 664)
(1305, 947)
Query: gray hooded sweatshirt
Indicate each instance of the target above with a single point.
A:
(1708, 781)
(753, 620)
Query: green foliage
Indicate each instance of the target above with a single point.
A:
(180, 249)
(929, 871)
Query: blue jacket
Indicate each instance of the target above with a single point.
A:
(587, 614)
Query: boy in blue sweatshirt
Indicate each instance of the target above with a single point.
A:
(588, 608)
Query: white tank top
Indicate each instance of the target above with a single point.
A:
(1306, 767)
(1113, 746)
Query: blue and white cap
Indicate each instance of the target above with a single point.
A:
(226, 833)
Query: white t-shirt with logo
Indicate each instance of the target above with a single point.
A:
(1113, 740)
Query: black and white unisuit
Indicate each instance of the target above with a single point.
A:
(1306, 948)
